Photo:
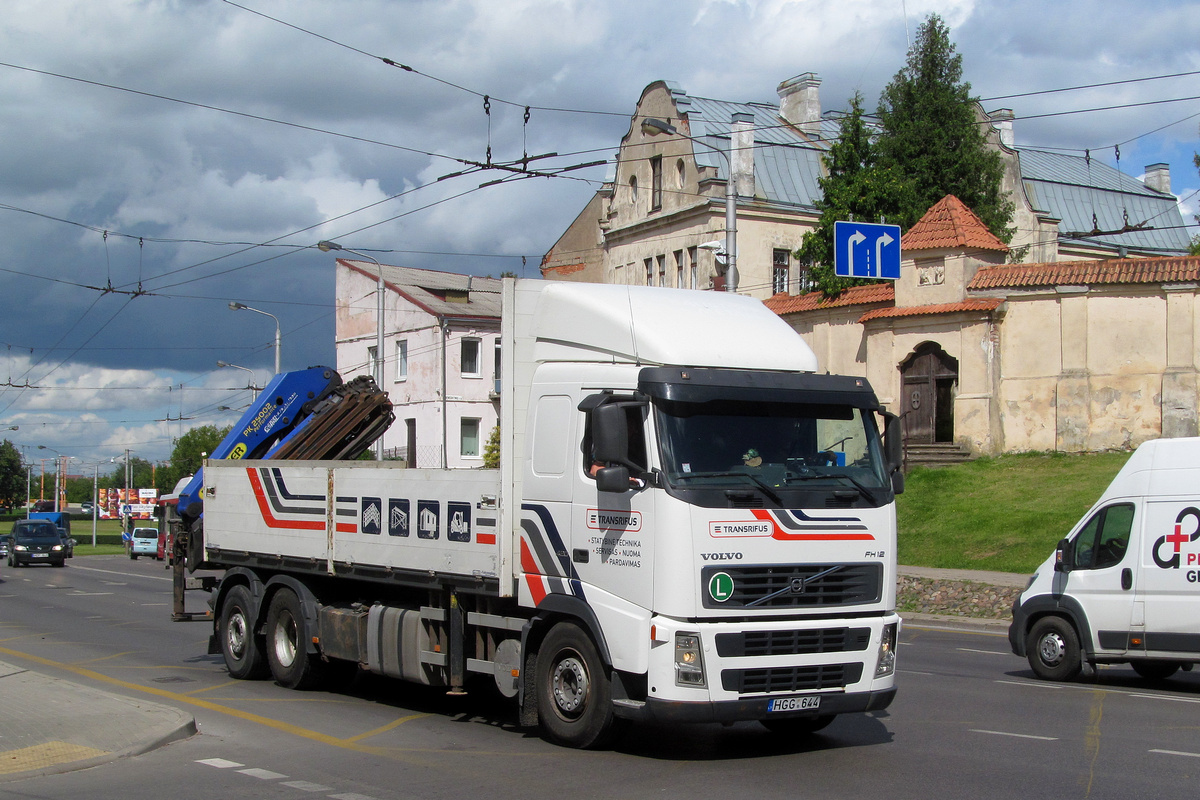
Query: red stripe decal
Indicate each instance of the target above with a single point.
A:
(264, 508)
(485, 538)
(787, 536)
(536, 588)
(527, 562)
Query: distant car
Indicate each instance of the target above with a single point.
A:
(3, 547)
(144, 542)
(67, 542)
(87, 506)
(35, 541)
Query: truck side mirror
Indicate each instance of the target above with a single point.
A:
(610, 438)
(613, 479)
(1064, 556)
(893, 445)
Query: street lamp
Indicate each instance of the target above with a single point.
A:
(58, 457)
(325, 246)
(653, 127)
(253, 389)
(235, 306)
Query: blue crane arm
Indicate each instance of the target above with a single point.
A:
(283, 405)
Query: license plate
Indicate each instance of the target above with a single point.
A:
(41, 555)
(794, 703)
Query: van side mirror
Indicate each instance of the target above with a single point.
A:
(1064, 556)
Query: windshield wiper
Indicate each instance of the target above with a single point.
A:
(766, 488)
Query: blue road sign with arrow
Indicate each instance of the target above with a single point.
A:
(864, 250)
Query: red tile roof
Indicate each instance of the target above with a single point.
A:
(950, 224)
(856, 295)
(1173, 269)
(983, 304)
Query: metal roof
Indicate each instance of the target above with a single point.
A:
(787, 166)
(430, 288)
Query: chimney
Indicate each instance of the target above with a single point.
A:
(1158, 177)
(741, 160)
(800, 103)
(1002, 120)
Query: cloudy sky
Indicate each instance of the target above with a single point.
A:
(161, 158)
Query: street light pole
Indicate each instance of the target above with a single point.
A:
(325, 246)
(253, 389)
(235, 306)
(653, 127)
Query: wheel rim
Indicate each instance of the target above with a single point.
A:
(236, 635)
(285, 640)
(1052, 649)
(570, 685)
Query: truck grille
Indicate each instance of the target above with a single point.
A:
(792, 643)
(792, 585)
(790, 679)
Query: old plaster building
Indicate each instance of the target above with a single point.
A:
(660, 214)
(441, 334)
(1068, 355)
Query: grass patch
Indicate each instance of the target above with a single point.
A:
(1004, 513)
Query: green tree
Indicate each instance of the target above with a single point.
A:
(190, 451)
(931, 135)
(142, 474)
(12, 476)
(491, 450)
(855, 187)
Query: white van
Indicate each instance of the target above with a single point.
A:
(1124, 586)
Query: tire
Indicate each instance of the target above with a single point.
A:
(1155, 670)
(798, 726)
(287, 636)
(133, 556)
(574, 694)
(245, 656)
(1053, 649)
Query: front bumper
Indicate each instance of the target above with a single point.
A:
(655, 710)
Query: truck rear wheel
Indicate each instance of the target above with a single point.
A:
(286, 643)
(1053, 649)
(573, 688)
(240, 645)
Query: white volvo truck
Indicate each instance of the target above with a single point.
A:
(689, 523)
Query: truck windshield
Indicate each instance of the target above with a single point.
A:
(782, 450)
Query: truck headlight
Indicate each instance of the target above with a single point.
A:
(689, 662)
(887, 652)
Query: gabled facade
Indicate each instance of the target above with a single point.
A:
(660, 215)
(1070, 356)
(440, 360)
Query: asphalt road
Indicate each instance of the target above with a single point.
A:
(970, 721)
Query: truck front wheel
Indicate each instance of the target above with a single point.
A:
(1053, 649)
(574, 692)
(286, 643)
(240, 645)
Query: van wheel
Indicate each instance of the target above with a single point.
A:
(286, 643)
(1053, 648)
(240, 645)
(1155, 670)
(573, 690)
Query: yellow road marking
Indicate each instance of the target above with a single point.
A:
(385, 728)
(279, 725)
(40, 756)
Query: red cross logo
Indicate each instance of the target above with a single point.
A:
(1178, 537)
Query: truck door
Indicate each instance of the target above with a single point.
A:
(1171, 576)
(1102, 575)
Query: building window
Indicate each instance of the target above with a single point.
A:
(779, 271)
(372, 360)
(656, 187)
(496, 369)
(679, 284)
(649, 271)
(470, 358)
(633, 192)
(401, 360)
(469, 438)
(679, 176)
(662, 270)
(693, 271)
